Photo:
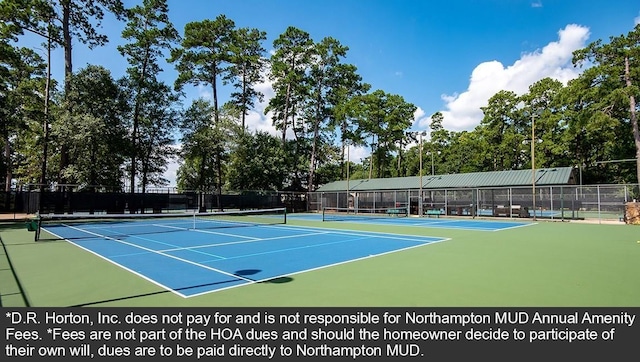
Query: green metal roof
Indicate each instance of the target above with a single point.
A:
(544, 176)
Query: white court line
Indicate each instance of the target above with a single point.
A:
(209, 232)
(439, 222)
(243, 242)
(416, 238)
(163, 254)
(149, 240)
(423, 240)
(323, 266)
(517, 226)
(137, 224)
(360, 237)
(119, 265)
(298, 248)
(451, 224)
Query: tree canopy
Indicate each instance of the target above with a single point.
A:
(92, 130)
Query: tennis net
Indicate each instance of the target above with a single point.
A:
(353, 214)
(76, 226)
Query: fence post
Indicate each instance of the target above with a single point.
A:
(551, 200)
(562, 203)
(510, 192)
(599, 217)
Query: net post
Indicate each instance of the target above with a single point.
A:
(285, 215)
(323, 211)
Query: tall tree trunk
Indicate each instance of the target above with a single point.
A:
(218, 160)
(66, 33)
(216, 110)
(143, 181)
(312, 162)
(316, 131)
(286, 114)
(136, 124)
(45, 122)
(7, 156)
(373, 140)
(68, 73)
(219, 181)
(203, 162)
(244, 96)
(634, 117)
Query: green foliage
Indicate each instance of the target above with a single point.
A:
(321, 106)
(614, 78)
(503, 129)
(204, 56)
(21, 74)
(257, 163)
(247, 65)
(150, 33)
(197, 151)
(383, 119)
(289, 63)
(158, 120)
(205, 146)
(93, 133)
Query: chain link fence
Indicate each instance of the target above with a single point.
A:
(597, 202)
(69, 201)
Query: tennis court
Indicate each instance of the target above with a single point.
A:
(382, 217)
(194, 255)
(186, 261)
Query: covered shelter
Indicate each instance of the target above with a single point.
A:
(513, 193)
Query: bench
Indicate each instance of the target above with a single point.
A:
(513, 210)
(396, 212)
(433, 212)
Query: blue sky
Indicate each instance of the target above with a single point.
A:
(448, 56)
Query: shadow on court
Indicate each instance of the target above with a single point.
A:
(280, 280)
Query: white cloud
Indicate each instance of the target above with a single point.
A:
(420, 119)
(636, 20)
(554, 60)
(204, 92)
(536, 4)
(256, 119)
(358, 153)
(171, 173)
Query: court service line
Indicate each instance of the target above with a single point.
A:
(364, 237)
(452, 224)
(149, 279)
(242, 242)
(325, 266)
(517, 226)
(375, 234)
(153, 241)
(163, 254)
(208, 232)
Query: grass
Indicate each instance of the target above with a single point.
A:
(549, 264)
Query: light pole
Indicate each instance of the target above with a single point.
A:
(420, 134)
(347, 174)
(580, 166)
(533, 164)
(432, 166)
(373, 144)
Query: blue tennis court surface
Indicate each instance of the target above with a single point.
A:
(447, 223)
(190, 261)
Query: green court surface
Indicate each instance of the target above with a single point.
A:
(546, 264)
